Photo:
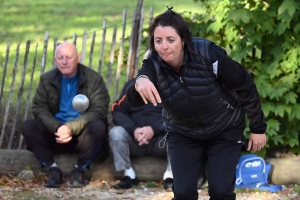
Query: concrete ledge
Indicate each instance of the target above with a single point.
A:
(146, 168)
(14, 161)
(284, 170)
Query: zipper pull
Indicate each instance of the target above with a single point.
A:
(180, 79)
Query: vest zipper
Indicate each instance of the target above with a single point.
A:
(180, 81)
(226, 103)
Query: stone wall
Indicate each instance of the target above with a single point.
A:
(284, 170)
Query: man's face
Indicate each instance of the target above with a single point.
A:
(66, 59)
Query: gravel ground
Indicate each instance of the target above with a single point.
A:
(103, 190)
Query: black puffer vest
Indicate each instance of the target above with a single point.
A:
(195, 103)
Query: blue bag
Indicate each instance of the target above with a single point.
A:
(252, 172)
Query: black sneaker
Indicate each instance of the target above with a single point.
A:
(168, 184)
(55, 178)
(77, 178)
(125, 183)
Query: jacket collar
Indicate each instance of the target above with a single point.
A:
(163, 64)
(56, 79)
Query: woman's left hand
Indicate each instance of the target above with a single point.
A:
(257, 142)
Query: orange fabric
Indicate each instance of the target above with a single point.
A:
(118, 103)
(113, 106)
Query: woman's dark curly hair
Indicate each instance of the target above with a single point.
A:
(176, 21)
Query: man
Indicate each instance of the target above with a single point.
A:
(137, 132)
(57, 127)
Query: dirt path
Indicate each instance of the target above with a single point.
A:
(102, 190)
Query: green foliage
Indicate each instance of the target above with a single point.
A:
(297, 189)
(263, 36)
(151, 184)
(28, 20)
(247, 190)
(28, 167)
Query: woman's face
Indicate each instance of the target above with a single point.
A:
(168, 45)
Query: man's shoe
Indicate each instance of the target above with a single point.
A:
(55, 178)
(77, 178)
(125, 183)
(168, 184)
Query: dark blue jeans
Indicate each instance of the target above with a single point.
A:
(87, 144)
(187, 155)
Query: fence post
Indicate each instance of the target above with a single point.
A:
(134, 40)
(53, 57)
(28, 100)
(10, 95)
(150, 22)
(74, 38)
(20, 92)
(83, 47)
(130, 49)
(111, 59)
(120, 57)
(44, 57)
(102, 46)
(140, 37)
(92, 49)
(4, 74)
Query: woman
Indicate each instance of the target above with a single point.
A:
(205, 95)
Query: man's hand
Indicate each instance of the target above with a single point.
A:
(257, 142)
(63, 134)
(137, 134)
(143, 135)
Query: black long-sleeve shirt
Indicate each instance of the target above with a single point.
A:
(131, 118)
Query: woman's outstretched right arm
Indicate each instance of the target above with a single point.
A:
(143, 90)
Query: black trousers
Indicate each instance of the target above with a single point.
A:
(222, 154)
(87, 144)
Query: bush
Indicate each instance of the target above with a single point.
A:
(263, 37)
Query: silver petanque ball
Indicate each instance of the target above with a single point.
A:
(80, 102)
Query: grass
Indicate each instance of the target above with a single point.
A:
(247, 190)
(151, 184)
(28, 20)
(297, 189)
